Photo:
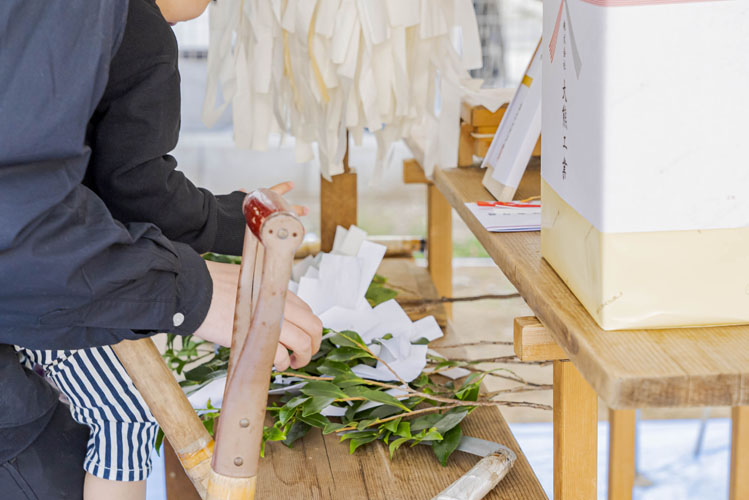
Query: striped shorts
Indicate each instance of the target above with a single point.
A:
(103, 397)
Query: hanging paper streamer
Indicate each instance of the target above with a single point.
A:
(316, 69)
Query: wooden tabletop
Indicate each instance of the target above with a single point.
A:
(628, 369)
(320, 467)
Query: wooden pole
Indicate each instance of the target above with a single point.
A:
(575, 435)
(440, 243)
(170, 407)
(338, 200)
(257, 327)
(739, 481)
(622, 428)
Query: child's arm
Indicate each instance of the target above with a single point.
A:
(135, 126)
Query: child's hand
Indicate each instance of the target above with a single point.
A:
(301, 333)
(301, 330)
(284, 188)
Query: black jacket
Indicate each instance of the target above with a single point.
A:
(98, 233)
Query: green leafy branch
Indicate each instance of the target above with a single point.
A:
(426, 410)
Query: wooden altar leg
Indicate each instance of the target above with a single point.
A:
(575, 434)
(337, 204)
(739, 481)
(622, 428)
(440, 243)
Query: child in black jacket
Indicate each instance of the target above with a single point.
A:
(133, 128)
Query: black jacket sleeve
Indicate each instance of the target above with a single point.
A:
(71, 276)
(133, 129)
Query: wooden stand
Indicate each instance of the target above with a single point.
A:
(337, 204)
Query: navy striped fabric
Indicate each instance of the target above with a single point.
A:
(103, 397)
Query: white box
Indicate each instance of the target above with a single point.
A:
(645, 173)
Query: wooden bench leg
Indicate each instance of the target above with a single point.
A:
(338, 200)
(622, 428)
(440, 243)
(739, 482)
(575, 434)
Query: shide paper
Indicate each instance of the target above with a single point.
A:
(334, 285)
(319, 69)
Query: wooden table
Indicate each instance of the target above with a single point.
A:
(321, 468)
(627, 369)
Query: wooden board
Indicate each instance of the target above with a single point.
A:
(320, 467)
(533, 342)
(628, 369)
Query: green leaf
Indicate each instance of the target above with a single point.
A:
(420, 381)
(383, 411)
(348, 380)
(379, 279)
(404, 430)
(392, 426)
(449, 443)
(469, 392)
(363, 424)
(296, 401)
(377, 294)
(334, 368)
(315, 420)
(332, 427)
(316, 404)
(322, 388)
(226, 259)
(396, 444)
(348, 354)
(347, 338)
(425, 422)
(450, 419)
(285, 414)
(159, 440)
(271, 434)
(357, 442)
(374, 395)
(208, 423)
(351, 412)
(297, 431)
(430, 435)
(420, 341)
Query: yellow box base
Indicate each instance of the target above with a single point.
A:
(648, 280)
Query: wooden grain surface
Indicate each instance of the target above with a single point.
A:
(575, 435)
(338, 202)
(622, 430)
(628, 369)
(738, 488)
(320, 467)
(440, 243)
(533, 342)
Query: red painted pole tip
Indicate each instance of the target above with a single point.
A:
(259, 205)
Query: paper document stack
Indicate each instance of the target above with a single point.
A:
(507, 217)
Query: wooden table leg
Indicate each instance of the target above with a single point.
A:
(739, 481)
(622, 428)
(338, 200)
(440, 243)
(575, 435)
